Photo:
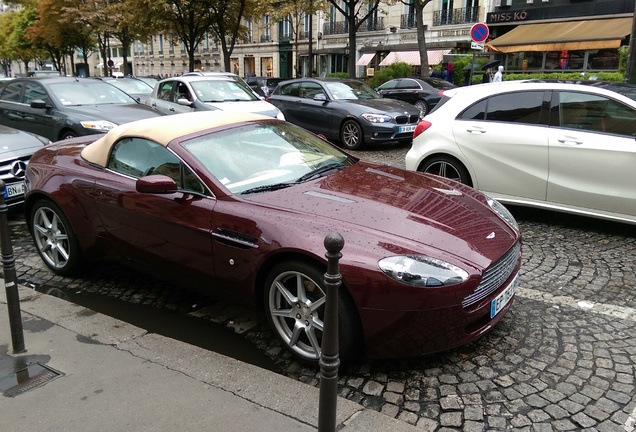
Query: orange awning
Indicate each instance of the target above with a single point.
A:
(568, 35)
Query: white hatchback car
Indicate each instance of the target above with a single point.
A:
(563, 146)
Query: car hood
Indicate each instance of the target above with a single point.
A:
(385, 105)
(412, 208)
(19, 143)
(255, 107)
(115, 113)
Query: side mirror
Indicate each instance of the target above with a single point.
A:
(38, 103)
(184, 102)
(320, 97)
(156, 184)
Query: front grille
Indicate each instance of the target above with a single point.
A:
(10, 171)
(403, 119)
(494, 276)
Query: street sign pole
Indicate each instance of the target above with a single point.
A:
(478, 33)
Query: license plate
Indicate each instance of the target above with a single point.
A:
(14, 189)
(498, 303)
(406, 129)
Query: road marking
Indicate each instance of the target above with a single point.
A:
(599, 308)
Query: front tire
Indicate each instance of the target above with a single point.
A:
(54, 238)
(447, 167)
(351, 135)
(295, 306)
(68, 134)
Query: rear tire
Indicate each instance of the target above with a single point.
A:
(422, 106)
(67, 134)
(448, 167)
(294, 303)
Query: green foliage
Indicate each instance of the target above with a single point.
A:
(395, 70)
(601, 76)
(623, 55)
(339, 75)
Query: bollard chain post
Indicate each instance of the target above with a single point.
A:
(10, 278)
(329, 360)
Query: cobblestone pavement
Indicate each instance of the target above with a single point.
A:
(563, 359)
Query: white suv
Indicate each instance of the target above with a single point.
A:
(562, 146)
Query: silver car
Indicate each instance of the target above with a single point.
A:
(16, 148)
(199, 92)
(562, 146)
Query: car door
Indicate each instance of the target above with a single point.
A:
(593, 153)
(389, 89)
(408, 90)
(12, 109)
(163, 231)
(166, 98)
(315, 111)
(287, 101)
(506, 137)
(42, 121)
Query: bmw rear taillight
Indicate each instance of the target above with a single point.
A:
(421, 127)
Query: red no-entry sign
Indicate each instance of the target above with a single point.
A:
(479, 32)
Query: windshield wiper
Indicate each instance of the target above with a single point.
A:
(268, 188)
(319, 172)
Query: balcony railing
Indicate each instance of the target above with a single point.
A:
(372, 24)
(335, 27)
(303, 35)
(408, 21)
(456, 16)
(266, 38)
(285, 37)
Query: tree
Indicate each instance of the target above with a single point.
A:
(294, 12)
(421, 35)
(24, 49)
(187, 20)
(356, 12)
(7, 51)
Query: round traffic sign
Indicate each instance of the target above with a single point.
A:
(479, 32)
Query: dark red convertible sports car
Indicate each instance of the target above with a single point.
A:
(239, 205)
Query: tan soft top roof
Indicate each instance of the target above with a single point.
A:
(162, 130)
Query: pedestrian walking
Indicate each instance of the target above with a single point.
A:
(487, 77)
(499, 75)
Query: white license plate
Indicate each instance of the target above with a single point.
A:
(406, 129)
(498, 303)
(14, 189)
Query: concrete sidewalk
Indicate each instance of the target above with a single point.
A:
(117, 377)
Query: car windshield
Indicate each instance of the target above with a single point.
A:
(131, 86)
(266, 155)
(222, 91)
(77, 93)
(351, 90)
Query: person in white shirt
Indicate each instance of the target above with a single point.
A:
(499, 75)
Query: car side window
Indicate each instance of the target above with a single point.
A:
(389, 85)
(309, 90)
(474, 112)
(518, 107)
(35, 91)
(12, 92)
(138, 157)
(164, 90)
(292, 89)
(596, 113)
(182, 92)
(408, 84)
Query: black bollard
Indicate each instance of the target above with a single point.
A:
(10, 278)
(329, 361)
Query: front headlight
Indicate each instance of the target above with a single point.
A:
(377, 118)
(101, 125)
(422, 271)
(503, 212)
